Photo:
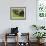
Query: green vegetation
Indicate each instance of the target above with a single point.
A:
(40, 27)
(18, 13)
(15, 11)
(21, 13)
(39, 35)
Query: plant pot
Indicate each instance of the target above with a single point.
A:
(40, 41)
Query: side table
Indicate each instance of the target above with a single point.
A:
(8, 34)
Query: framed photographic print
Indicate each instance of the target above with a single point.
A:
(41, 8)
(18, 13)
(41, 12)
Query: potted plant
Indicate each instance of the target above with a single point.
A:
(38, 27)
(35, 26)
(39, 35)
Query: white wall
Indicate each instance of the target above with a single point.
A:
(24, 25)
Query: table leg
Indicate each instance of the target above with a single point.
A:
(5, 40)
(17, 39)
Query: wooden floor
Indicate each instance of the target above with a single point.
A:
(13, 44)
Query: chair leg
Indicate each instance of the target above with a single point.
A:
(5, 40)
(5, 43)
